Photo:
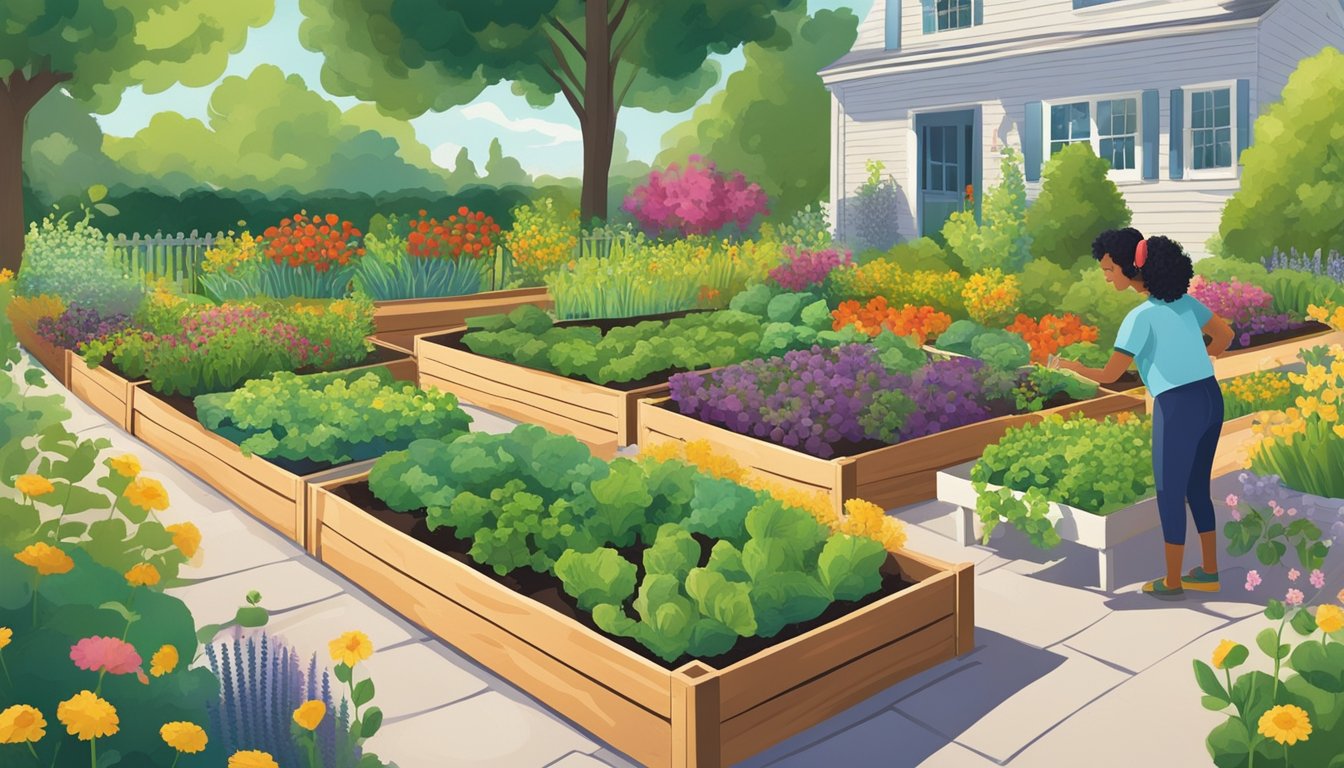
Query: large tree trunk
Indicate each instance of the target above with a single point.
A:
(599, 114)
(11, 182)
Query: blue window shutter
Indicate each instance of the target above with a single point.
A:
(1176, 154)
(1243, 117)
(978, 11)
(893, 25)
(930, 17)
(1150, 131)
(1032, 139)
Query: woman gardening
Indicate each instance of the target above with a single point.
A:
(1164, 337)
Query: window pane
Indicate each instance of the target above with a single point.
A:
(1082, 123)
(1104, 117)
(1059, 122)
(935, 144)
(950, 145)
(950, 176)
(1055, 146)
(1222, 98)
(1224, 156)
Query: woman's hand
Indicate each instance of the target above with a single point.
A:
(1115, 368)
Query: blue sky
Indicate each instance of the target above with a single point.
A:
(545, 141)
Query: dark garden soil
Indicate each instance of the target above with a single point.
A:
(549, 591)
(1262, 339)
(1128, 380)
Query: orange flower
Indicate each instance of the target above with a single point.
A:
(147, 494)
(921, 322)
(33, 486)
(45, 559)
(142, 575)
(1051, 333)
(186, 537)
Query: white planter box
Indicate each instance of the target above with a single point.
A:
(1100, 532)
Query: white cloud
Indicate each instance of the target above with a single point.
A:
(559, 133)
(445, 155)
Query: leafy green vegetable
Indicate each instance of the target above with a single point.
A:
(851, 566)
(754, 301)
(600, 576)
(788, 307)
(817, 316)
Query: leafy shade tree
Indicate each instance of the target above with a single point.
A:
(94, 50)
(1292, 183)
(772, 119)
(1001, 241)
(414, 56)
(1076, 202)
(63, 152)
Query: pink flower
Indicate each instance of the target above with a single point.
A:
(1292, 511)
(1278, 511)
(1293, 573)
(1294, 597)
(1318, 579)
(99, 654)
(1252, 580)
(1236, 515)
(1231, 500)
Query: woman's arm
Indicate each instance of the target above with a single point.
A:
(1221, 333)
(1115, 368)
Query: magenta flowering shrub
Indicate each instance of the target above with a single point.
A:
(1247, 307)
(803, 269)
(695, 200)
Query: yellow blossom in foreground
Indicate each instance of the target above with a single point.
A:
(1330, 618)
(351, 648)
(6, 634)
(186, 537)
(864, 518)
(184, 737)
(1220, 653)
(252, 759)
(6, 275)
(33, 486)
(87, 716)
(142, 575)
(21, 723)
(126, 465)
(164, 661)
(1286, 724)
(310, 714)
(46, 559)
(147, 494)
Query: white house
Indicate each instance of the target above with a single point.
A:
(1166, 90)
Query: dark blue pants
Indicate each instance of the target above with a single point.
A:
(1186, 423)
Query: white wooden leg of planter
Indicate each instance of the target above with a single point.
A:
(1106, 569)
(965, 527)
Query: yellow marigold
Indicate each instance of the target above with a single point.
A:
(164, 661)
(86, 716)
(142, 575)
(6, 275)
(1330, 618)
(669, 450)
(126, 465)
(866, 519)
(1220, 653)
(184, 737)
(33, 485)
(46, 559)
(147, 494)
(6, 634)
(1286, 724)
(186, 537)
(252, 759)
(310, 714)
(22, 724)
(351, 648)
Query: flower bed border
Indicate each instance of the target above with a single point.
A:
(275, 496)
(398, 322)
(695, 715)
(1244, 361)
(55, 359)
(891, 476)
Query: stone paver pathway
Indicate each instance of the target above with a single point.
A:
(1062, 674)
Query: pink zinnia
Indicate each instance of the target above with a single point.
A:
(1292, 511)
(1278, 511)
(1317, 579)
(1252, 580)
(1294, 597)
(1231, 500)
(1293, 573)
(105, 654)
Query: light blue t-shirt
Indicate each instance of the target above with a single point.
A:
(1166, 341)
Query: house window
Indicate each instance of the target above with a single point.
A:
(1211, 129)
(1069, 123)
(1109, 124)
(1118, 132)
(953, 14)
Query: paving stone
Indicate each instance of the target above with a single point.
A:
(956, 756)
(419, 677)
(310, 628)
(578, 760)
(487, 421)
(1036, 612)
(1020, 693)
(231, 542)
(485, 730)
(926, 535)
(614, 759)
(282, 586)
(1137, 639)
(887, 739)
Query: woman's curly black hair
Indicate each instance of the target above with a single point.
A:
(1166, 274)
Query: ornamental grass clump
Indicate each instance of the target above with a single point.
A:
(1254, 392)
(630, 282)
(430, 258)
(231, 269)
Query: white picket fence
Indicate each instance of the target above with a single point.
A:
(174, 257)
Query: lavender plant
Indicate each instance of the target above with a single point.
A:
(1331, 266)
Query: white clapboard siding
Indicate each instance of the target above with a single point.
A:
(1294, 31)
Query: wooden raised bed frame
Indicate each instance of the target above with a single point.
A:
(692, 716)
(891, 476)
(1270, 356)
(55, 359)
(108, 393)
(397, 323)
(275, 496)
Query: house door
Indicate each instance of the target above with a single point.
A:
(949, 161)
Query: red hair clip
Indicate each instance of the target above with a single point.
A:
(1141, 254)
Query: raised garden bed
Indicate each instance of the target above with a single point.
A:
(1233, 444)
(1100, 532)
(397, 323)
(701, 713)
(889, 476)
(273, 494)
(55, 359)
(1273, 350)
(103, 389)
(603, 416)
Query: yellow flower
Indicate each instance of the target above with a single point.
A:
(33, 486)
(1286, 724)
(126, 465)
(21, 723)
(6, 275)
(1330, 618)
(164, 661)
(351, 648)
(46, 559)
(87, 716)
(252, 759)
(142, 575)
(1220, 653)
(309, 714)
(184, 737)
(186, 537)
(147, 494)
(6, 634)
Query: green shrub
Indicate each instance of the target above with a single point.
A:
(1098, 303)
(1077, 202)
(924, 254)
(1292, 181)
(1044, 285)
(75, 262)
(1002, 240)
